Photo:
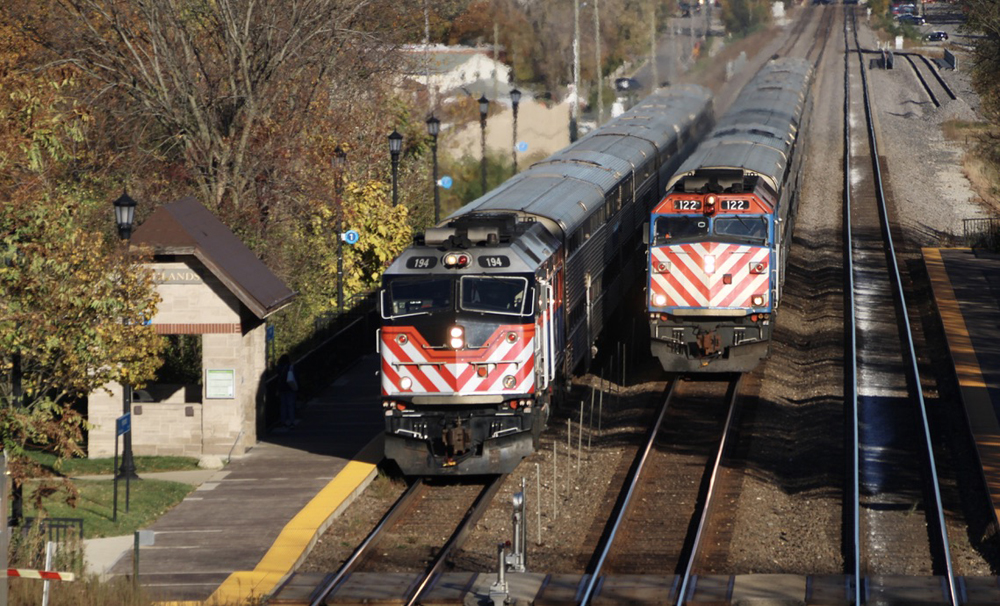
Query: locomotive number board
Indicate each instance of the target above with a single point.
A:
(494, 261)
(421, 262)
(731, 205)
(687, 204)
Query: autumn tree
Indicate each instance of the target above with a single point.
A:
(73, 307)
(230, 83)
(983, 21)
(742, 17)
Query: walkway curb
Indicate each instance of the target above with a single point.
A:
(299, 536)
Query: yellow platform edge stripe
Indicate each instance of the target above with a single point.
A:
(290, 548)
(292, 543)
(972, 385)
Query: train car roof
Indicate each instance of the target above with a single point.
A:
(563, 189)
(758, 131)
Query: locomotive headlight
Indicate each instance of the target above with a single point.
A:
(456, 260)
(709, 264)
(512, 337)
(402, 339)
(457, 334)
(659, 300)
(406, 383)
(509, 382)
(757, 300)
(663, 267)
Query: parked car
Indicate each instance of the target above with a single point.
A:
(936, 36)
(911, 19)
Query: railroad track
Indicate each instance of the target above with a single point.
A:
(667, 499)
(446, 510)
(895, 474)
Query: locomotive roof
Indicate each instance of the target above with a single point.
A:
(564, 189)
(759, 130)
(525, 245)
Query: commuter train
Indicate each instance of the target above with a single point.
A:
(719, 240)
(486, 315)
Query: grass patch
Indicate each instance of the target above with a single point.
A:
(87, 467)
(148, 500)
(981, 161)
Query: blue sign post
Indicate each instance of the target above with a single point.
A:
(123, 425)
(445, 182)
(351, 236)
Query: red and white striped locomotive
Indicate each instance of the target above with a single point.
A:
(718, 241)
(486, 316)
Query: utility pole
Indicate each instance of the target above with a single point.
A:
(652, 47)
(573, 126)
(496, 43)
(600, 77)
(431, 95)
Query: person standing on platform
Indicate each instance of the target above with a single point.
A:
(288, 385)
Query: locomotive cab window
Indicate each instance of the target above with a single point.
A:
(506, 295)
(741, 228)
(420, 296)
(673, 228)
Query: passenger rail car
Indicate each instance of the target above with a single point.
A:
(487, 314)
(718, 241)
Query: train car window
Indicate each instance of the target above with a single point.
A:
(670, 229)
(421, 296)
(494, 295)
(743, 228)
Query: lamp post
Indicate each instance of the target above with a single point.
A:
(515, 99)
(395, 146)
(484, 107)
(575, 108)
(433, 128)
(339, 158)
(124, 217)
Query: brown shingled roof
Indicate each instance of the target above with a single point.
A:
(185, 227)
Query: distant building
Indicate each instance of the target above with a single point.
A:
(447, 70)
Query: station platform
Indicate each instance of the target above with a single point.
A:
(966, 287)
(242, 532)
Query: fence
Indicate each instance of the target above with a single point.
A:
(58, 530)
(340, 340)
(982, 233)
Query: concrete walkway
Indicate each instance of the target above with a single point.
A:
(245, 527)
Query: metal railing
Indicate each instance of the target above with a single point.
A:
(57, 530)
(982, 233)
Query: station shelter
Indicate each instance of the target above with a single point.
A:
(214, 288)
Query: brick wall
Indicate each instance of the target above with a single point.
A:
(194, 302)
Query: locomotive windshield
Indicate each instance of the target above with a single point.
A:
(741, 228)
(407, 297)
(673, 228)
(494, 295)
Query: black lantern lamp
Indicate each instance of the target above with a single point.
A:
(433, 129)
(124, 215)
(395, 146)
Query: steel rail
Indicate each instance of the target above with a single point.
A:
(707, 504)
(937, 75)
(403, 504)
(621, 507)
(900, 297)
(849, 318)
(923, 82)
(457, 538)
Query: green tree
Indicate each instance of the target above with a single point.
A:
(74, 315)
(743, 17)
(983, 21)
